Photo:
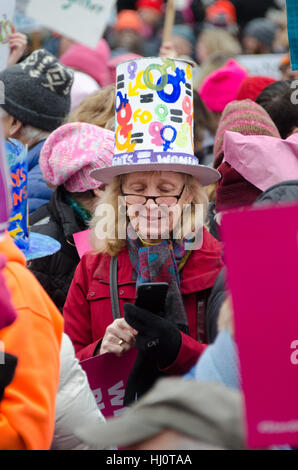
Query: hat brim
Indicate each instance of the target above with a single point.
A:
(40, 246)
(204, 174)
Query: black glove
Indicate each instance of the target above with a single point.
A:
(142, 377)
(7, 372)
(158, 338)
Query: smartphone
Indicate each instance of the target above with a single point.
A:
(151, 296)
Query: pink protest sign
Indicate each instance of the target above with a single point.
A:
(261, 253)
(107, 375)
(82, 242)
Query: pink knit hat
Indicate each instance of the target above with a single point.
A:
(221, 87)
(245, 117)
(72, 151)
(93, 62)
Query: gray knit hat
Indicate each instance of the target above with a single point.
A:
(204, 411)
(37, 90)
(262, 29)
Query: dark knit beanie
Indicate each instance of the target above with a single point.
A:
(37, 90)
(262, 29)
(245, 117)
(233, 190)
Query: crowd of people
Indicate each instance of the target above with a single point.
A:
(65, 111)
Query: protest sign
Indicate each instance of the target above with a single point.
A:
(5, 199)
(261, 254)
(7, 8)
(82, 242)
(292, 16)
(107, 375)
(264, 64)
(81, 20)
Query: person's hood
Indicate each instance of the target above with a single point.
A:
(11, 252)
(284, 192)
(33, 155)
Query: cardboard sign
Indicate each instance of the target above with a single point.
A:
(261, 253)
(292, 15)
(17, 160)
(107, 375)
(264, 64)
(7, 8)
(82, 20)
(5, 189)
(82, 242)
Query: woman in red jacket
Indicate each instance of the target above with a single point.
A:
(179, 336)
(150, 222)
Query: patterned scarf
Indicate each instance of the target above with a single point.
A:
(160, 263)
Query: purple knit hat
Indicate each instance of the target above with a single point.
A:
(72, 151)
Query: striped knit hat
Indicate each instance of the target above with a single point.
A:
(245, 117)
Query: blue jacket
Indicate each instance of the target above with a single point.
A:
(38, 192)
(218, 363)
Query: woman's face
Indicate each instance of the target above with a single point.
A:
(155, 220)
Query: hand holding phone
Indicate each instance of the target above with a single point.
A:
(151, 296)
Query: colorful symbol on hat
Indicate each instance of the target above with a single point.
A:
(132, 68)
(176, 115)
(162, 69)
(168, 142)
(161, 112)
(120, 82)
(123, 101)
(189, 72)
(144, 116)
(149, 98)
(124, 128)
(173, 80)
(187, 108)
(182, 136)
(154, 130)
(133, 90)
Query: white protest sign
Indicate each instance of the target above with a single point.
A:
(81, 20)
(6, 28)
(264, 64)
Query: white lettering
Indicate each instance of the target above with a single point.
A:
(294, 95)
(98, 397)
(119, 394)
(294, 355)
(271, 427)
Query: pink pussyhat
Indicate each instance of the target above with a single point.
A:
(221, 87)
(262, 160)
(72, 151)
(93, 62)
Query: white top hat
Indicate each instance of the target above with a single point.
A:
(154, 121)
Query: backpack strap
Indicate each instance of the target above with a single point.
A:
(114, 287)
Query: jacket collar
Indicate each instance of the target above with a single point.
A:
(199, 273)
(64, 214)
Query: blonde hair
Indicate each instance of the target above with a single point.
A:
(214, 62)
(97, 109)
(218, 40)
(112, 245)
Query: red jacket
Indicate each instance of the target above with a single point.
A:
(87, 311)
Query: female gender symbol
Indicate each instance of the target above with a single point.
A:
(132, 68)
(167, 142)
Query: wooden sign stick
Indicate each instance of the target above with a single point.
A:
(169, 21)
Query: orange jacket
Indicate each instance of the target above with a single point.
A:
(27, 411)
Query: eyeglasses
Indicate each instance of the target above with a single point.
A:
(159, 200)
